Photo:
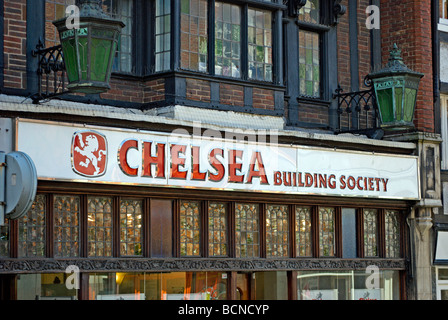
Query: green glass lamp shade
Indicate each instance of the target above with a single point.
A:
(396, 88)
(89, 50)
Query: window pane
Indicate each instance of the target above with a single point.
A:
(45, 286)
(260, 44)
(277, 231)
(161, 228)
(122, 10)
(217, 229)
(99, 227)
(310, 12)
(370, 232)
(349, 233)
(32, 230)
(309, 64)
(4, 239)
(227, 43)
(326, 232)
(66, 226)
(392, 228)
(163, 35)
(303, 232)
(247, 230)
(190, 228)
(194, 35)
(131, 228)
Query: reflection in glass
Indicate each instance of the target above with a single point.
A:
(99, 227)
(217, 228)
(326, 232)
(46, 286)
(392, 229)
(277, 231)
(66, 226)
(346, 285)
(370, 232)
(190, 226)
(131, 228)
(32, 230)
(247, 230)
(303, 232)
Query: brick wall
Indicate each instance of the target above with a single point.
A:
(263, 98)
(408, 24)
(15, 44)
(198, 90)
(231, 94)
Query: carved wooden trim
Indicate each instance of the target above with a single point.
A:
(16, 266)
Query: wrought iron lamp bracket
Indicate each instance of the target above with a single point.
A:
(51, 72)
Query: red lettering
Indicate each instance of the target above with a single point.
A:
(261, 172)
(385, 181)
(332, 182)
(357, 183)
(122, 157)
(158, 160)
(277, 178)
(323, 181)
(300, 183)
(285, 180)
(377, 184)
(217, 165)
(195, 172)
(308, 180)
(351, 185)
(177, 162)
(234, 166)
(371, 184)
(342, 180)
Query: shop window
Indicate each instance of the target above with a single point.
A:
(277, 231)
(304, 240)
(66, 226)
(392, 234)
(99, 227)
(247, 230)
(162, 35)
(4, 239)
(347, 285)
(310, 50)
(260, 44)
(227, 40)
(190, 228)
(161, 228)
(217, 229)
(194, 35)
(269, 285)
(32, 227)
(131, 215)
(46, 286)
(370, 226)
(327, 232)
(158, 286)
(443, 8)
(123, 10)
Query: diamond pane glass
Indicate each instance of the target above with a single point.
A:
(326, 232)
(217, 228)
(99, 227)
(131, 227)
(247, 230)
(190, 228)
(66, 226)
(303, 232)
(32, 229)
(277, 231)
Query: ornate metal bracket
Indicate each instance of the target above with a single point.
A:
(294, 7)
(338, 11)
(51, 72)
(357, 111)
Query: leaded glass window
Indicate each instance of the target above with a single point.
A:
(260, 44)
(370, 232)
(247, 230)
(194, 35)
(99, 227)
(190, 228)
(122, 10)
(303, 232)
(32, 229)
(227, 40)
(217, 229)
(309, 63)
(277, 231)
(163, 35)
(131, 227)
(326, 232)
(392, 234)
(66, 226)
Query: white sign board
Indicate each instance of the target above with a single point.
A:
(70, 152)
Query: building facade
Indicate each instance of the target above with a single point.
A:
(225, 162)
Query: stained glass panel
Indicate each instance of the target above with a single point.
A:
(66, 226)
(99, 226)
(370, 232)
(247, 230)
(190, 228)
(32, 229)
(303, 232)
(277, 231)
(217, 229)
(392, 234)
(131, 227)
(326, 232)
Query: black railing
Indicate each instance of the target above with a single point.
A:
(357, 111)
(51, 73)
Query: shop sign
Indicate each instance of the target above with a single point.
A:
(69, 152)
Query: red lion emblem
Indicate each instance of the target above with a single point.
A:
(89, 153)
